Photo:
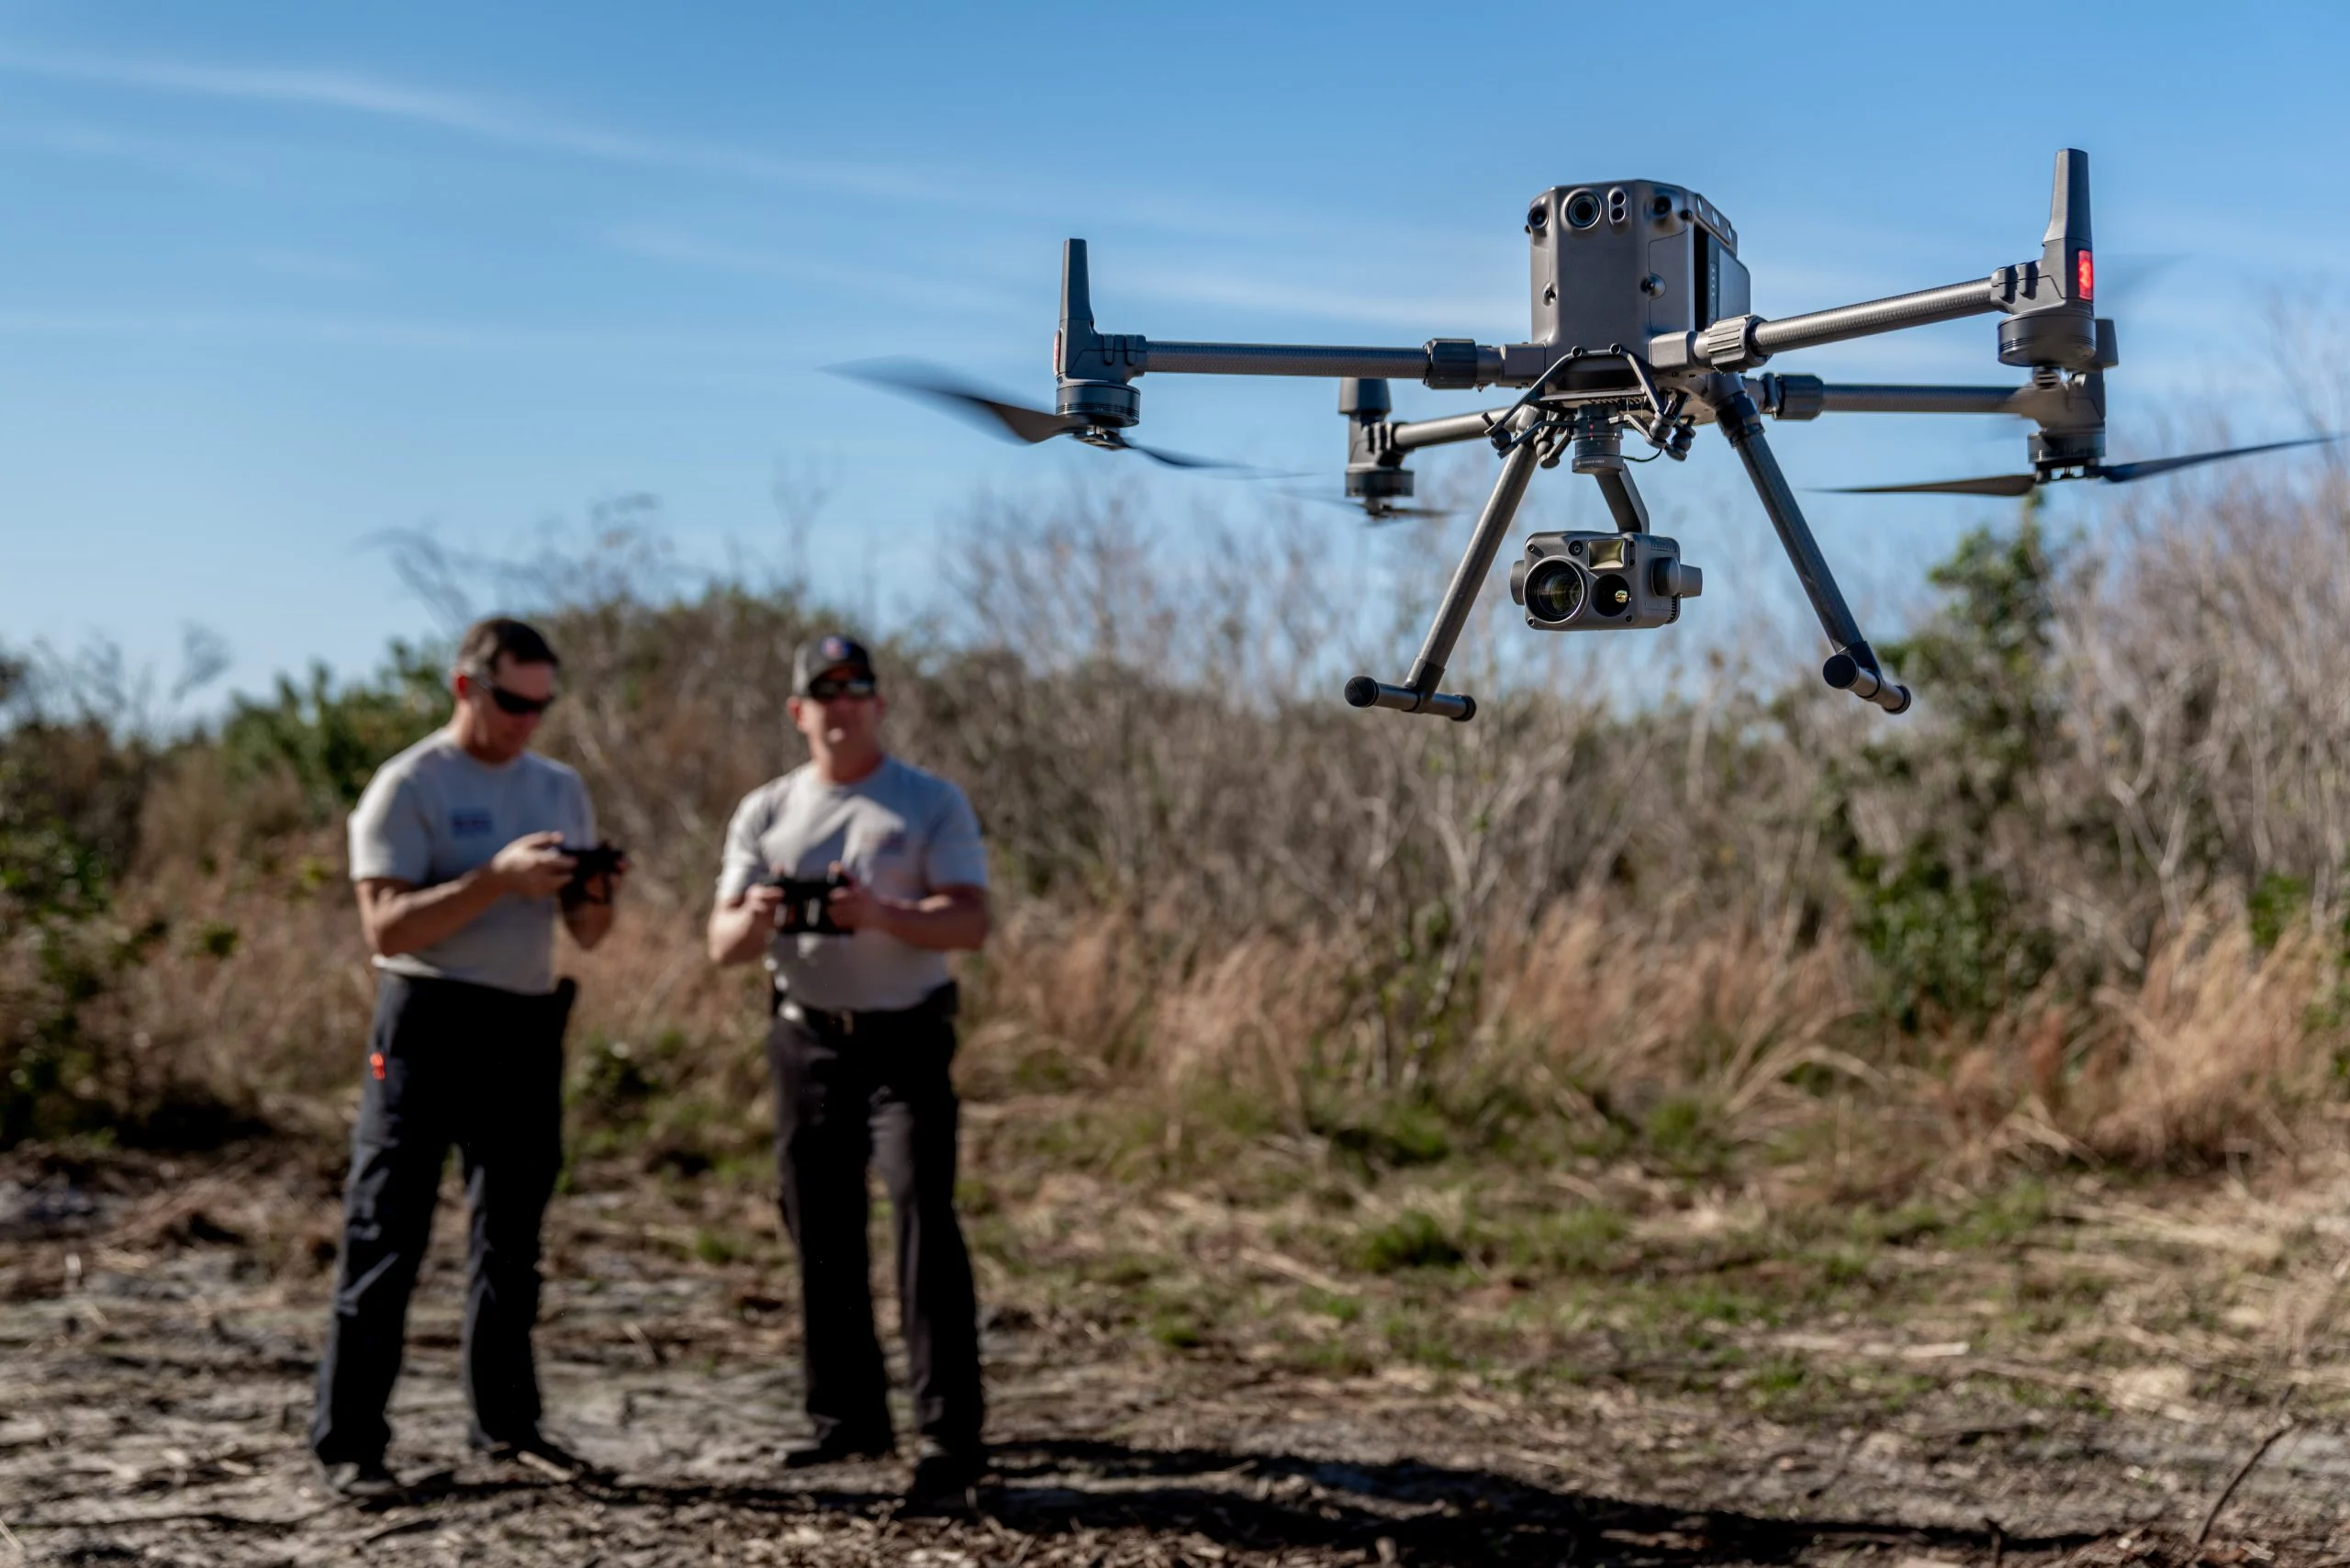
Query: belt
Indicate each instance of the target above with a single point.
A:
(938, 1004)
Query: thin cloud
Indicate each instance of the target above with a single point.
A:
(347, 92)
(369, 331)
(350, 93)
(678, 248)
(154, 154)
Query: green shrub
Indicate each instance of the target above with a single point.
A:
(1412, 1240)
(331, 741)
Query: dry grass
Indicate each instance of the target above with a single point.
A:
(1591, 1030)
(2082, 907)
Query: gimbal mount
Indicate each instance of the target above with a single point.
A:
(1651, 272)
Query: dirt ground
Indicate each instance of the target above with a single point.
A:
(160, 1324)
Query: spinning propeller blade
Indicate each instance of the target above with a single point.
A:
(2112, 473)
(935, 384)
(1995, 485)
(1172, 459)
(1374, 513)
(2123, 473)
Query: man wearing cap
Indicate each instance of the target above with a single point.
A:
(458, 856)
(862, 1035)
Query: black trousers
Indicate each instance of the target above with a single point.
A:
(881, 1094)
(482, 1069)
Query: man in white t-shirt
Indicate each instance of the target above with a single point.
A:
(457, 860)
(862, 1038)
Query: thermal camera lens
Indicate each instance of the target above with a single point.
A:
(1553, 592)
(1611, 595)
(1582, 209)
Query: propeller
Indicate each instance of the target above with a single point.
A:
(1375, 512)
(1374, 516)
(2112, 473)
(941, 387)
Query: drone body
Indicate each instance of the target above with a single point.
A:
(1628, 261)
(1641, 326)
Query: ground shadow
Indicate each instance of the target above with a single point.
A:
(1430, 1514)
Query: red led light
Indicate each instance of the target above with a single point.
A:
(2086, 271)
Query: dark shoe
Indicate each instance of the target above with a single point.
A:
(946, 1471)
(836, 1449)
(360, 1481)
(546, 1456)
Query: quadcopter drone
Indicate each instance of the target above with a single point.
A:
(1641, 326)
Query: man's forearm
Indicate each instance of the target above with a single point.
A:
(419, 917)
(737, 934)
(942, 922)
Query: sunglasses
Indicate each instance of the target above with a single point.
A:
(514, 702)
(825, 691)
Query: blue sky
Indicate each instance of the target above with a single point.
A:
(279, 278)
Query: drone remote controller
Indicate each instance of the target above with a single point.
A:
(807, 906)
(589, 864)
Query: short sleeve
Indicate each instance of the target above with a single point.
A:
(389, 836)
(741, 863)
(954, 856)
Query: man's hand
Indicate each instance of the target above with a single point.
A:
(855, 907)
(741, 927)
(943, 921)
(532, 866)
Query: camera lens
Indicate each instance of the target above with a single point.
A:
(1611, 594)
(1582, 209)
(1553, 592)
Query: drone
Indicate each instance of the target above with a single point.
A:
(1641, 328)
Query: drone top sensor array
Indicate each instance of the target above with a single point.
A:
(1642, 327)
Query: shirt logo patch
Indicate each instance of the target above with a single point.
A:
(468, 824)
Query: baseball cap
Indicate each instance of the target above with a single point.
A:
(823, 655)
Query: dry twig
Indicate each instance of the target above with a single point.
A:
(2236, 1480)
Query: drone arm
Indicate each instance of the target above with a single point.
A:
(1807, 398)
(1289, 359)
(1957, 300)
(1419, 693)
(1739, 343)
(1413, 434)
(1875, 399)
(1854, 666)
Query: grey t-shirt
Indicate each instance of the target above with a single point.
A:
(901, 831)
(434, 814)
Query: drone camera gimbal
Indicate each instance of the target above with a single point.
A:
(1603, 582)
(1642, 326)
